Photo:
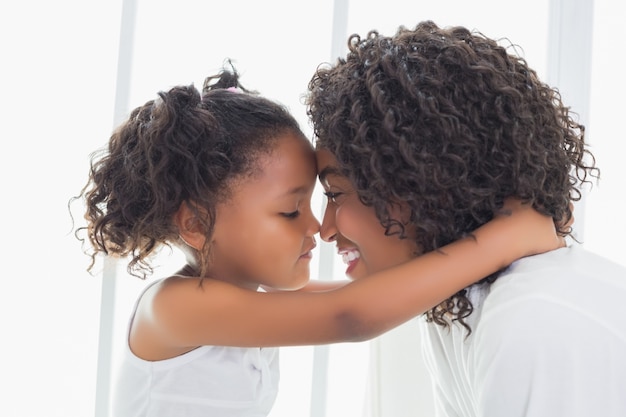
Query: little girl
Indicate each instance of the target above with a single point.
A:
(227, 177)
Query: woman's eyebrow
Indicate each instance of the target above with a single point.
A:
(329, 170)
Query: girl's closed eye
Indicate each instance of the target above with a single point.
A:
(291, 215)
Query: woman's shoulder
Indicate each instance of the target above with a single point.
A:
(568, 288)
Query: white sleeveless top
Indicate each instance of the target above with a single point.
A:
(215, 381)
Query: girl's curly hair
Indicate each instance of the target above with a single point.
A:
(182, 148)
(447, 121)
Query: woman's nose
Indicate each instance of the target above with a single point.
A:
(328, 229)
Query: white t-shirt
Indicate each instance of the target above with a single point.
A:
(548, 339)
(215, 381)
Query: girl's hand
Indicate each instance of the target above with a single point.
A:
(530, 231)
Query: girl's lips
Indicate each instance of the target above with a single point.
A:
(307, 255)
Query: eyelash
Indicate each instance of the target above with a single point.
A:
(292, 215)
(332, 196)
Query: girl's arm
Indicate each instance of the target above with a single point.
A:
(315, 285)
(187, 314)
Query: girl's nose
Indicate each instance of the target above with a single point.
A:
(314, 225)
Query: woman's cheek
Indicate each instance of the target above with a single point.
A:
(357, 222)
(343, 222)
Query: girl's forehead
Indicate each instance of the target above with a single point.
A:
(292, 157)
(288, 147)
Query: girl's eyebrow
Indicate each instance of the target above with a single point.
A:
(301, 189)
(329, 170)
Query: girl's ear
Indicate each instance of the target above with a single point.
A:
(189, 228)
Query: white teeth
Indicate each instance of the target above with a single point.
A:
(350, 256)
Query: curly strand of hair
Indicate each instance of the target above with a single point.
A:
(450, 122)
(184, 147)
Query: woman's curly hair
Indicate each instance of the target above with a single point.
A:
(447, 121)
(182, 148)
